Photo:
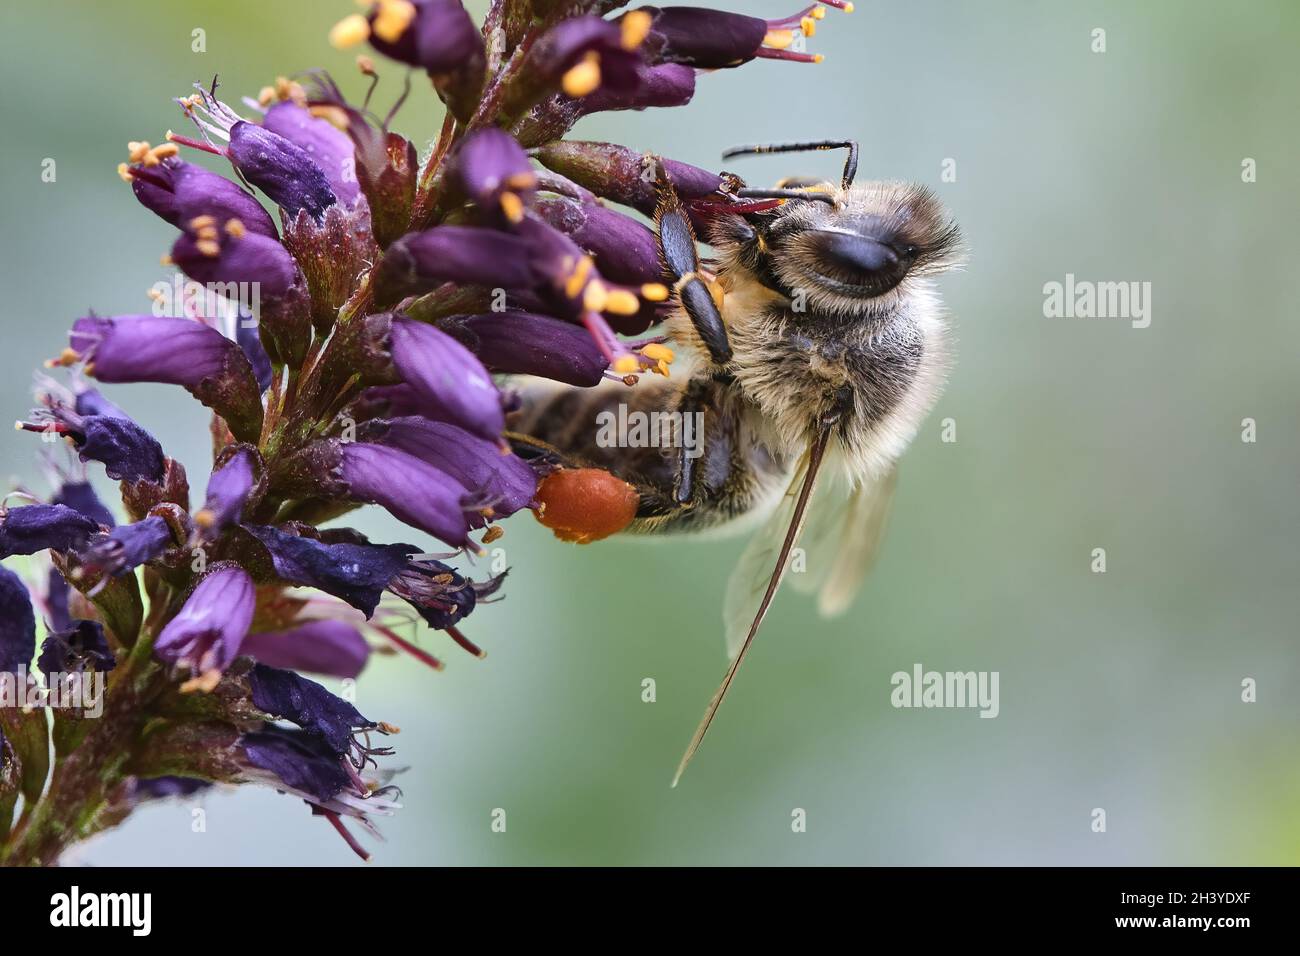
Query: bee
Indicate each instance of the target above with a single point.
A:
(817, 345)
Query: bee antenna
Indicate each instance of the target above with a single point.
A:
(850, 164)
(816, 194)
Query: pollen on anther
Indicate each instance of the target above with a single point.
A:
(235, 228)
(654, 292)
(349, 31)
(621, 302)
(582, 78)
(635, 28)
(392, 19)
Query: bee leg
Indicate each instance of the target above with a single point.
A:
(691, 409)
(682, 261)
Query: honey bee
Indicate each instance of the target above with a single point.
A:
(817, 345)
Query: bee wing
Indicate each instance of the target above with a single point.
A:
(752, 586)
(846, 558)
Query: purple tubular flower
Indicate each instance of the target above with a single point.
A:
(523, 343)
(303, 762)
(146, 348)
(280, 168)
(495, 172)
(80, 496)
(441, 596)
(450, 381)
(231, 484)
(624, 175)
(284, 695)
(330, 148)
(505, 483)
(180, 192)
(354, 572)
(78, 648)
(326, 646)
(665, 85)
(625, 249)
(128, 546)
(90, 401)
(127, 451)
(250, 343)
(411, 490)
(231, 256)
(422, 261)
(441, 38)
(707, 39)
(207, 632)
(34, 528)
(56, 601)
(17, 623)
(585, 53)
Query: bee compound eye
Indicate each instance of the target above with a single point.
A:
(870, 265)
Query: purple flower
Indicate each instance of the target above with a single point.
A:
(56, 601)
(250, 343)
(714, 39)
(442, 597)
(624, 175)
(34, 528)
(234, 478)
(355, 571)
(330, 148)
(452, 384)
(284, 695)
(180, 192)
(230, 255)
(323, 646)
(523, 343)
(422, 261)
(78, 648)
(435, 35)
(128, 546)
(127, 451)
(411, 490)
(585, 53)
(17, 624)
(504, 482)
(303, 762)
(495, 173)
(80, 496)
(146, 348)
(624, 248)
(207, 632)
(90, 401)
(281, 168)
(665, 85)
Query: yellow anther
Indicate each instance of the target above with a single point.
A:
(205, 518)
(203, 222)
(265, 96)
(778, 39)
(578, 277)
(493, 533)
(334, 115)
(658, 352)
(124, 171)
(583, 78)
(809, 26)
(392, 18)
(848, 8)
(526, 179)
(136, 152)
(622, 302)
(208, 247)
(512, 206)
(818, 13)
(166, 259)
(635, 28)
(626, 364)
(654, 292)
(235, 228)
(818, 58)
(595, 297)
(349, 31)
(165, 150)
(204, 683)
(388, 728)
(67, 357)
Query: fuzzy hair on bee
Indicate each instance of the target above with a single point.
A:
(817, 343)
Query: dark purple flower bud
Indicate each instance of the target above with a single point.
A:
(625, 249)
(79, 648)
(57, 593)
(522, 343)
(302, 762)
(180, 192)
(452, 384)
(127, 547)
(326, 646)
(354, 572)
(708, 39)
(284, 695)
(280, 168)
(207, 632)
(435, 35)
(250, 343)
(503, 482)
(442, 597)
(230, 256)
(422, 261)
(330, 148)
(34, 528)
(127, 451)
(80, 496)
(411, 490)
(17, 624)
(235, 477)
(147, 348)
(625, 176)
(495, 173)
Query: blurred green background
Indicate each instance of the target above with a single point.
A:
(1118, 690)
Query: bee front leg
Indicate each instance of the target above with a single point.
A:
(681, 259)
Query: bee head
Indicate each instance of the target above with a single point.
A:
(847, 249)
